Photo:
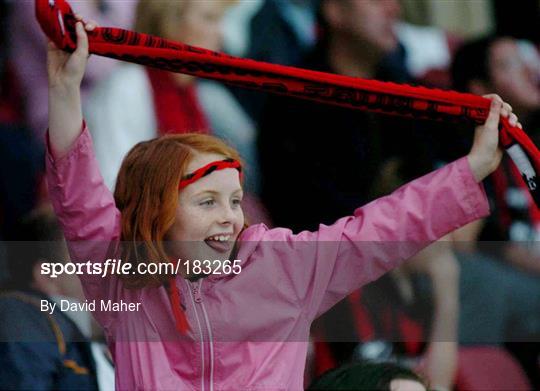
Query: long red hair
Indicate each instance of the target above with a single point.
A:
(147, 196)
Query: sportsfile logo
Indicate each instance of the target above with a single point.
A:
(120, 267)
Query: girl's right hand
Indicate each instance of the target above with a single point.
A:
(66, 70)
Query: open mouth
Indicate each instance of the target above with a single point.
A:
(221, 243)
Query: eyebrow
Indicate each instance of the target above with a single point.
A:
(213, 192)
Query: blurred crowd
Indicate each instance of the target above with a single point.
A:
(464, 313)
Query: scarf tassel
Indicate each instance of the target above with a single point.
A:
(182, 324)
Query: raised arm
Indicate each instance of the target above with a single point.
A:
(84, 205)
(65, 72)
(330, 263)
(439, 263)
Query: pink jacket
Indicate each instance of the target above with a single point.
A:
(249, 331)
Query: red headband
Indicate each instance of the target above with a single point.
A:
(58, 22)
(208, 169)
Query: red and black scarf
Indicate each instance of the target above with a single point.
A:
(58, 22)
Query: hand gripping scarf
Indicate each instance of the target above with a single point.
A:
(58, 22)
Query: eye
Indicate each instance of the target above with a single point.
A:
(209, 202)
(236, 201)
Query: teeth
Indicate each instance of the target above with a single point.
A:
(220, 238)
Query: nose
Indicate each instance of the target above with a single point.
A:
(227, 215)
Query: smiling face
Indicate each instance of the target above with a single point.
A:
(209, 216)
(511, 77)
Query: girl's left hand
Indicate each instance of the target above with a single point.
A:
(485, 155)
(66, 70)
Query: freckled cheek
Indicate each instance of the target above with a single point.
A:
(201, 223)
(185, 225)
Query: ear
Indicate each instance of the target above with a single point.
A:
(479, 87)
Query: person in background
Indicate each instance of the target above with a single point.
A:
(21, 155)
(495, 63)
(357, 39)
(507, 238)
(370, 376)
(281, 32)
(39, 350)
(170, 103)
(358, 36)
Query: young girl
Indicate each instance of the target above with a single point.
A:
(179, 197)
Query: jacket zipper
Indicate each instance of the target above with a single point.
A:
(210, 340)
(207, 348)
(200, 333)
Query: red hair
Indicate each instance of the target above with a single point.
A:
(147, 195)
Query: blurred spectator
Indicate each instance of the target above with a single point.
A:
(40, 350)
(496, 64)
(20, 155)
(337, 173)
(281, 32)
(409, 316)
(167, 102)
(10, 98)
(28, 51)
(370, 376)
(22, 159)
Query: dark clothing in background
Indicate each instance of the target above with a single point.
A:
(377, 312)
(317, 160)
(22, 160)
(274, 40)
(321, 161)
(31, 357)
